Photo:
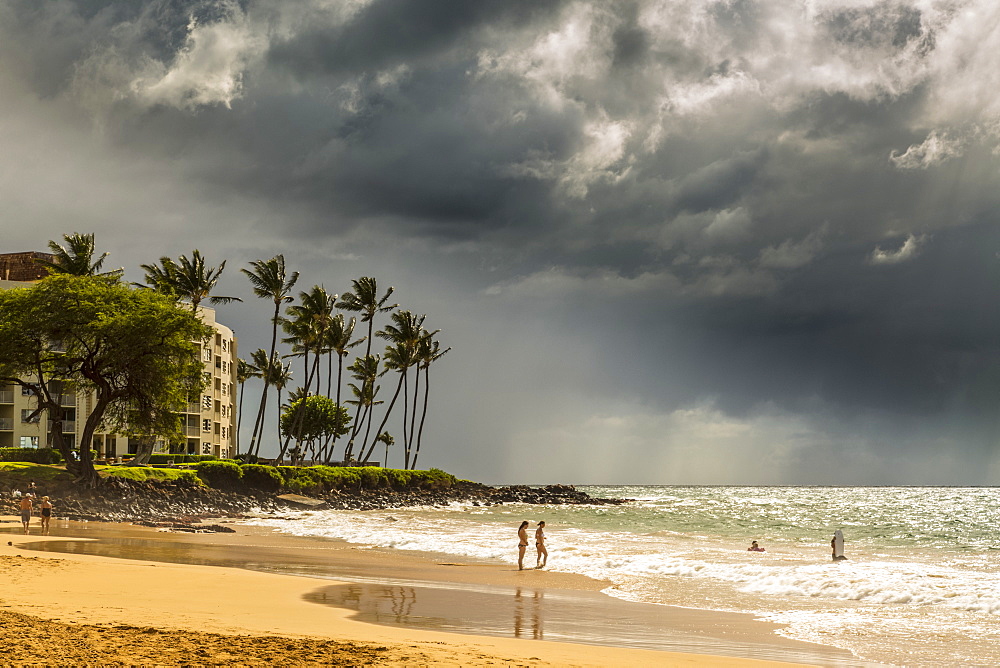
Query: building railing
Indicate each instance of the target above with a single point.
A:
(193, 431)
(67, 400)
(6, 396)
(68, 426)
(6, 424)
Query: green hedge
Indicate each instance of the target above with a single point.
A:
(260, 477)
(33, 455)
(220, 475)
(180, 459)
(317, 479)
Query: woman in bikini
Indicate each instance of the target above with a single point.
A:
(46, 513)
(543, 554)
(522, 544)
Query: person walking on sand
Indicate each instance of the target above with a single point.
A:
(46, 514)
(26, 511)
(543, 554)
(522, 544)
(837, 545)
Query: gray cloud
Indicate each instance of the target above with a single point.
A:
(737, 224)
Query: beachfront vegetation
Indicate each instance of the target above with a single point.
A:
(34, 455)
(84, 329)
(132, 348)
(220, 475)
(26, 472)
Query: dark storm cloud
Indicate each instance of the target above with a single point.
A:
(388, 32)
(783, 216)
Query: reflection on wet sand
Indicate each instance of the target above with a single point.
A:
(534, 612)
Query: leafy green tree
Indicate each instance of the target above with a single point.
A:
(314, 417)
(134, 349)
(270, 280)
(77, 257)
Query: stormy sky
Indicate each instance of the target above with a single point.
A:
(670, 242)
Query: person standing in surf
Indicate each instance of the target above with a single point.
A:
(522, 544)
(543, 554)
(837, 544)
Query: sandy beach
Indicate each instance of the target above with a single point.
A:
(105, 593)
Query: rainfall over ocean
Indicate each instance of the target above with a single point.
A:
(921, 586)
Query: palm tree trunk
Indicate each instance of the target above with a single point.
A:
(254, 443)
(388, 412)
(300, 413)
(258, 424)
(239, 420)
(416, 398)
(420, 434)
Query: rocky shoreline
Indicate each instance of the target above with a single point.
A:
(182, 506)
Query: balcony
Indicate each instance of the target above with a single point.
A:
(67, 400)
(6, 396)
(68, 426)
(192, 431)
(6, 424)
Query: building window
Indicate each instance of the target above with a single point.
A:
(26, 416)
(29, 442)
(206, 354)
(225, 433)
(206, 448)
(28, 390)
(206, 426)
(206, 402)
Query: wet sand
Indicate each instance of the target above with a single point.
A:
(404, 603)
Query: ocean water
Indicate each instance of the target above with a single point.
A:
(921, 586)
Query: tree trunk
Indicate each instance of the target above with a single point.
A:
(299, 415)
(388, 412)
(239, 421)
(420, 434)
(145, 450)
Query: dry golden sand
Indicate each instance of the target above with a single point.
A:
(78, 609)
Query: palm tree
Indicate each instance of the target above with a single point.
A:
(399, 358)
(311, 320)
(404, 337)
(270, 280)
(244, 372)
(364, 397)
(338, 340)
(77, 258)
(189, 279)
(365, 370)
(428, 352)
(365, 299)
(261, 363)
(282, 376)
(386, 437)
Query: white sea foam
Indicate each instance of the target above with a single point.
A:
(908, 569)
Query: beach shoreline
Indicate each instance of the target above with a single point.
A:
(218, 592)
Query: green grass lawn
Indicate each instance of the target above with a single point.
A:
(40, 472)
